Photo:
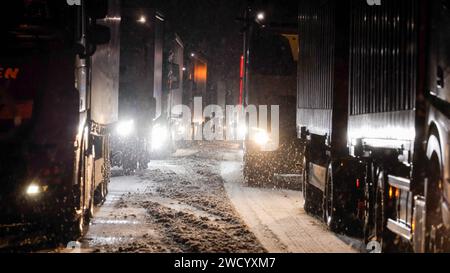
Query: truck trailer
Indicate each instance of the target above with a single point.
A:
(373, 110)
(58, 97)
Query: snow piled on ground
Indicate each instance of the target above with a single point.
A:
(179, 205)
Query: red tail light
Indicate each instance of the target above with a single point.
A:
(241, 82)
(357, 183)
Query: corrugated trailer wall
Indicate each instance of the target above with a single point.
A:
(316, 66)
(323, 70)
(383, 73)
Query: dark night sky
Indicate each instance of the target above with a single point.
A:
(210, 26)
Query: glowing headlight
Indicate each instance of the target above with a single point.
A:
(262, 138)
(125, 128)
(34, 189)
(160, 135)
(242, 131)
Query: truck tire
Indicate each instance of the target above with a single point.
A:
(384, 236)
(100, 193)
(129, 166)
(91, 201)
(304, 177)
(370, 197)
(75, 226)
(78, 227)
(308, 204)
(71, 228)
(102, 190)
(436, 240)
(331, 212)
(380, 221)
(91, 207)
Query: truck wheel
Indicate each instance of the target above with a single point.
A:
(129, 166)
(388, 240)
(330, 209)
(435, 242)
(102, 190)
(91, 201)
(117, 159)
(380, 222)
(73, 223)
(71, 228)
(100, 193)
(370, 197)
(304, 177)
(307, 193)
(91, 208)
(76, 225)
(79, 227)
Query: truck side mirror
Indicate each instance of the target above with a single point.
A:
(97, 9)
(99, 35)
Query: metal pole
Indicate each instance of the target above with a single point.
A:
(247, 39)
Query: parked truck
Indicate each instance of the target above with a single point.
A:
(269, 72)
(373, 109)
(58, 95)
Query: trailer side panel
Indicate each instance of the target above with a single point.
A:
(383, 77)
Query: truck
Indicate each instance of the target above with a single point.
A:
(269, 73)
(58, 96)
(169, 129)
(195, 83)
(141, 64)
(373, 112)
(151, 66)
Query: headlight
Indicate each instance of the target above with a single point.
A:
(262, 138)
(160, 135)
(125, 128)
(242, 132)
(35, 189)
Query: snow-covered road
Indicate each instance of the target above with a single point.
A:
(196, 201)
(277, 218)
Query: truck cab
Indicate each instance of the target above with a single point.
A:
(418, 210)
(57, 96)
(431, 219)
